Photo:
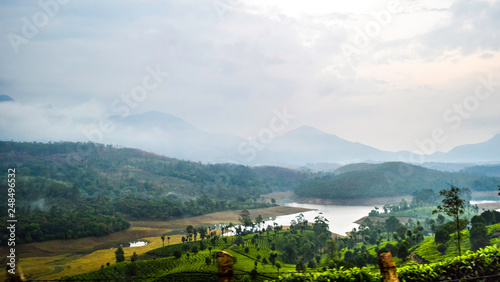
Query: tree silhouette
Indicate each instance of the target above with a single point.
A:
(163, 240)
(453, 206)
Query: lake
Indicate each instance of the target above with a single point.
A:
(340, 218)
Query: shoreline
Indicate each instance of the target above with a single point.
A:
(289, 196)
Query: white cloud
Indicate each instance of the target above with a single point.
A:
(228, 73)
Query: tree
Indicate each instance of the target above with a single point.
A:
(239, 240)
(203, 232)
(442, 235)
(189, 230)
(391, 224)
(254, 274)
(453, 206)
(478, 233)
(163, 240)
(245, 218)
(333, 249)
(403, 250)
(320, 224)
(278, 266)
(259, 220)
(442, 248)
(300, 266)
(168, 240)
(134, 257)
(119, 254)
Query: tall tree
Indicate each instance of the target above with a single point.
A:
(245, 218)
(189, 230)
(259, 220)
(391, 224)
(163, 240)
(119, 254)
(203, 232)
(453, 206)
(320, 224)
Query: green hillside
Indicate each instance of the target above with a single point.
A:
(69, 190)
(315, 258)
(388, 179)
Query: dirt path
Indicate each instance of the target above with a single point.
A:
(416, 258)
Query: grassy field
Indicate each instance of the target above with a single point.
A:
(55, 259)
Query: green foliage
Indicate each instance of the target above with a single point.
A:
(453, 206)
(485, 262)
(387, 179)
(134, 257)
(442, 248)
(93, 189)
(353, 274)
(442, 236)
(119, 254)
(478, 234)
(391, 224)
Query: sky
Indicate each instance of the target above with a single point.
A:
(388, 74)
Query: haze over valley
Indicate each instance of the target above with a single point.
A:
(254, 140)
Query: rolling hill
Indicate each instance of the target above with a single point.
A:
(389, 179)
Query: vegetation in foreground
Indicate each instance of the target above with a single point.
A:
(306, 252)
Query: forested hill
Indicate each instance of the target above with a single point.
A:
(92, 170)
(389, 179)
(93, 183)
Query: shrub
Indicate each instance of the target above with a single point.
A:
(442, 236)
(442, 248)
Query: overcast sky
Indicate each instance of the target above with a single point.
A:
(382, 73)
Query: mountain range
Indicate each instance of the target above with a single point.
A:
(171, 136)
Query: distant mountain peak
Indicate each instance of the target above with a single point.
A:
(495, 138)
(309, 130)
(156, 119)
(5, 98)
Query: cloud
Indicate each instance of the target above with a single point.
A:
(227, 73)
(473, 26)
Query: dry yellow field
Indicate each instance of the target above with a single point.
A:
(54, 259)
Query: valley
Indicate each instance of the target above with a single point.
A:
(76, 208)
